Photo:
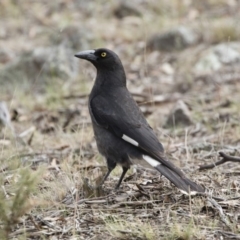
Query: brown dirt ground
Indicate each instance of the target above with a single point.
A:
(61, 154)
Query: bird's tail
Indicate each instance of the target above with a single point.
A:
(184, 184)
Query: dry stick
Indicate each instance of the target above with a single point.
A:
(225, 158)
(34, 223)
(229, 235)
(209, 195)
(223, 217)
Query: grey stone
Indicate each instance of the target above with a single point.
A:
(175, 39)
(179, 115)
(39, 66)
(6, 55)
(216, 57)
(125, 9)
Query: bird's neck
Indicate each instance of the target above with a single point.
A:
(111, 78)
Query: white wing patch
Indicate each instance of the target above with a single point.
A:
(151, 161)
(130, 140)
(192, 193)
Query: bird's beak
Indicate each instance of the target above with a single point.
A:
(87, 55)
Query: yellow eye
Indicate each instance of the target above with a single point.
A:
(103, 54)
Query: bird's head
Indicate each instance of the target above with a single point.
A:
(102, 58)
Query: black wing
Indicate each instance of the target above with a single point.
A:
(122, 116)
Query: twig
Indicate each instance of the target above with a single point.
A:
(208, 195)
(5, 192)
(34, 223)
(96, 201)
(229, 235)
(229, 158)
(225, 158)
(134, 204)
(221, 213)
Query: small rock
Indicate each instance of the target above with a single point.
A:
(125, 9)
(179, 116)
(167, 69)
(39, 66)
(5, 56)
(175, 39)
(214, 58)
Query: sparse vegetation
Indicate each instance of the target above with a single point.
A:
(119, 228)
(15, 197)
(48, 186)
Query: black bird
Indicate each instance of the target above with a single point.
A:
(122, 133)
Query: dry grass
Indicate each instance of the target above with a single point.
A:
(48, 187)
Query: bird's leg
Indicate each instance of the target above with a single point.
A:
(125, 169)
(111, 165)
